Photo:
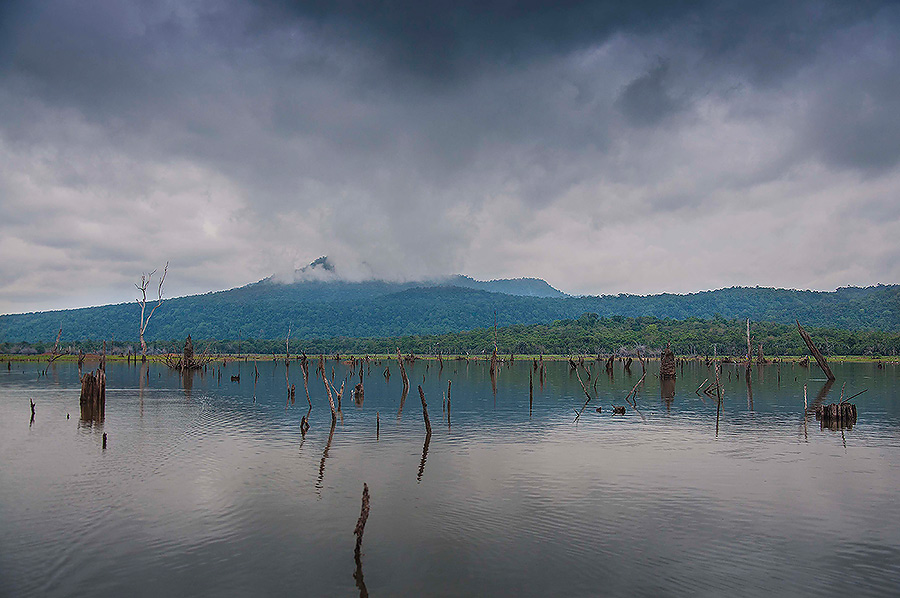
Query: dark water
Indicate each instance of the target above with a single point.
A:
(208, 491)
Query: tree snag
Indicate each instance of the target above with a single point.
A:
(815, 352)
(142, 287)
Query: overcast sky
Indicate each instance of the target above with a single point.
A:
(606, 147)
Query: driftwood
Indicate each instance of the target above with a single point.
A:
(815, 352)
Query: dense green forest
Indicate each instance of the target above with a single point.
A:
(588, 334)
(322, 310)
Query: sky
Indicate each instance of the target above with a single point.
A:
(607, 147)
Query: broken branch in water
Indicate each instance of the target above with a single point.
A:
(633, 394)
(586, 393)
(854, 396)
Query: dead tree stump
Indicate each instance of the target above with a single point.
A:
(93, 396)
(667, 365)
(836, 415)
(188, 351)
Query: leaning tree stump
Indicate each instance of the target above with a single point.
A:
(667, 365)
(93, 396)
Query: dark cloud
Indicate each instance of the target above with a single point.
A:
(646, 101)
(406, 138)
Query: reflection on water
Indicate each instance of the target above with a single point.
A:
(211, 486)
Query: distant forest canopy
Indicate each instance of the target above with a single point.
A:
(589, 334)
(325, 310)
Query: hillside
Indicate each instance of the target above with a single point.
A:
(325, 309)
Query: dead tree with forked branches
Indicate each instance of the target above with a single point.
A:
(142, 287)
(56, 352)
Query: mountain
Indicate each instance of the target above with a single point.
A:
(523, 287)
(321, 281)
(329, 308)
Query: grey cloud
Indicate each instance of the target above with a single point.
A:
(646, 101)
(387, 135)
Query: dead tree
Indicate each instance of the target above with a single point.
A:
(667, 365)
(748, 342)
(402, 371)
(142, 287)
(56, 353)
(815, 352)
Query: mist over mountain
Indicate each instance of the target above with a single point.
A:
(317, 303)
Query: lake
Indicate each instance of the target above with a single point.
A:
(208, 488)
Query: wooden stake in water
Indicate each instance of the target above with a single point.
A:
(719, 400)
(530, 392)
(360, 528)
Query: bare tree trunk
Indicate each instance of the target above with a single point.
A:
(402, 370)
(142, 287)
(815, 352)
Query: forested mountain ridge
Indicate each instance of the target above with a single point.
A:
(325, 309)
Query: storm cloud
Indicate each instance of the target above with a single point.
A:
(604, 146)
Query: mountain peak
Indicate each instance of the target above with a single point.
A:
(321, 263)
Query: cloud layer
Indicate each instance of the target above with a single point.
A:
(607, 147)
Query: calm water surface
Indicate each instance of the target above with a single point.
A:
(207, 488)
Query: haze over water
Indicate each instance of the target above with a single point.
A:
(207, 487)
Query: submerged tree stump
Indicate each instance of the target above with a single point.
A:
(93, 396)
(836, 415)
(188, 350)
(667, 365)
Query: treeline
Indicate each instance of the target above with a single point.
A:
(369, 309)
(588, 334)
